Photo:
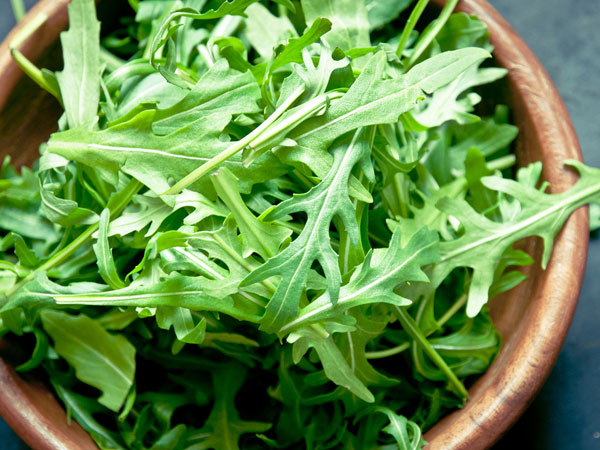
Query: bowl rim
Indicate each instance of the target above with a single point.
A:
(498, 398)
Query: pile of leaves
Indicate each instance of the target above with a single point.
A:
(269, 225)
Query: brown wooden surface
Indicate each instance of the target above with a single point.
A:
(533, 319)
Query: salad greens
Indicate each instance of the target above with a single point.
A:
(269, 224)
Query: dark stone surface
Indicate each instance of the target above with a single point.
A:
(565, 35)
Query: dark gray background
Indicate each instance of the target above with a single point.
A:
(565, 35)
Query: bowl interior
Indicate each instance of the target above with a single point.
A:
(532, 319)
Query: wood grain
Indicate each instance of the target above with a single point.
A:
(533, 319)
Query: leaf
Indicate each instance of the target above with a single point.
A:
(220, 90)
(463, 30)
(175, 291)
(80, 79)
(373, 100)
(428, 214)
(20, 204)
(594, 217)
(223, 245)
(485, 241)
(166, 29)
(406, 433)
(328, 199)
(106, 263)
(224, 426)
(83, 409)
(335, 366)
(381, 12)
(186, 330)
(258, 237)
(65, 212)
(133, 148)
(291, 51)
(217, 9)
(315, 79)
(37, 294)
(153, 89)
(100, 359)
(353, 346)
(472, 348)
(451, 103)
(376, 279)
(264, 30)
(350, 28)
(26, 256)
(170, 440)
(446, 157)
(148, 209)
(479, 197)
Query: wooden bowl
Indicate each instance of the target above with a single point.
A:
(533, 319)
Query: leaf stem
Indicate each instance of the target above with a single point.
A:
(18, 8)
(462, 300)
(388, 351)
(502, 163)
(410, 25)
(406, 345)
(431, 32)
(415, 333)
(34, 73)
(207, 167)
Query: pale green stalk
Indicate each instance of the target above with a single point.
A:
(237, 146)
(410, 25)
(18, 7)
(427, 37)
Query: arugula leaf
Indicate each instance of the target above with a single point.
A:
(175, 291)
(445, 104)
(291, 51)
(100, 359)
(106, 263)
(373, 100)
(258, 237)
(183, 324)
(223, 245)
(406, 433)
(354, 347)
(485, 241)
(223, 426)
(376, 279)
(381, 12)
(147, 209)
(350, 27)
(133, 148)
(463, 30)
(83, 409)
(265, 31)
(335, 366)
(321, 204)
(220, 90)
(79, 81)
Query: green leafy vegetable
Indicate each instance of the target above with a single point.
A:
(79, 81)
(100, 359)
(270, 224)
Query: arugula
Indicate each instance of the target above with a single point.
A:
(79, 81)
(326, 200)
(270, 224)
(99, 358)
